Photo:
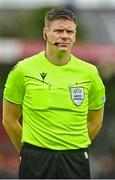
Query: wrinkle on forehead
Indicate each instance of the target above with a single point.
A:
(63, 24)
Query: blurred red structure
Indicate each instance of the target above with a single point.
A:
(8, 155)
(14, 49)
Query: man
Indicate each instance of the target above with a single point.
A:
(61, 100)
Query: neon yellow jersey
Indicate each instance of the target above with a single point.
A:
(55, 100)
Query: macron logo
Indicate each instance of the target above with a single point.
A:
(43, 75)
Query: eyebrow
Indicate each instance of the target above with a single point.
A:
(68, 29)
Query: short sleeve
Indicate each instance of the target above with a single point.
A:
(14, 87)
(97, 91)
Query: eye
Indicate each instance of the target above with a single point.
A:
(70, 31)
(59, 30)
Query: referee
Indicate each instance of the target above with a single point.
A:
(61, 101)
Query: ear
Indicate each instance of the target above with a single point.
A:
(75, 37)
(44, 33)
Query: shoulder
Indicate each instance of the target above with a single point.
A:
(31, 60)
(28, 64)
(85, 66)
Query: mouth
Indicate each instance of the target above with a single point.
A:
(63, 44)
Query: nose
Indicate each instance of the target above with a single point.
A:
(64, 35)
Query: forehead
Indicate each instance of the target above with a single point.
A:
(63, 24)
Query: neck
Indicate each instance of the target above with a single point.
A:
(58, 58)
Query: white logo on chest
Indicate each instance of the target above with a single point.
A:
(77, 95)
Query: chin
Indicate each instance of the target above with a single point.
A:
(63, 49)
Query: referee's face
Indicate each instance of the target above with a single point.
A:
(60, 34)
